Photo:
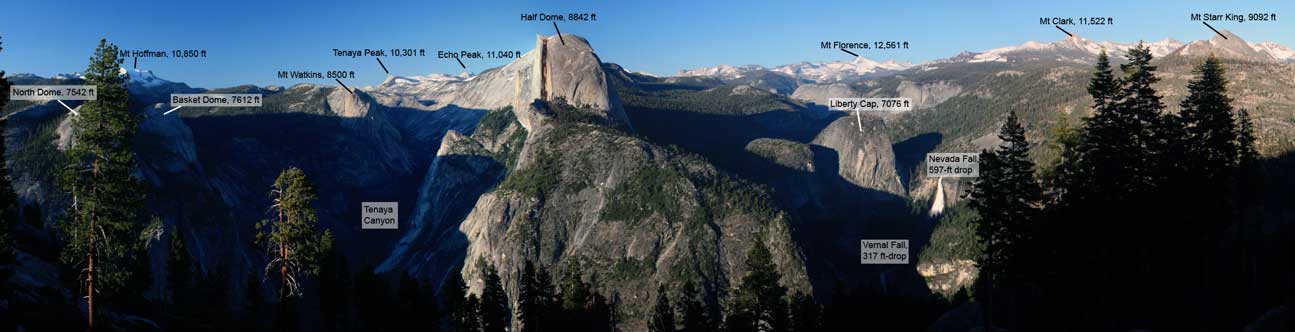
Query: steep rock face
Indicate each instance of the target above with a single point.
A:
(785, 153)
(563, 67)
(820, 93)
(865, 157)
(465, 167)
(361, 114)
(927, 95)
(568, 69)
(947, 276)
(168, 140)
(632, 214)
(462, 170)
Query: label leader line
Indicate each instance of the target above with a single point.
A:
(1064, 31)
(559, 31)
(1215, 30)
(384, 67)
(348, 89)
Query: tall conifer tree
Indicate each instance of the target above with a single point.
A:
(760, 302)
(104, 216)
(293, 240)
(662, 313)
(493, 311)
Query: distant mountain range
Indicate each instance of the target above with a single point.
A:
(860, 67)
(1070, 49)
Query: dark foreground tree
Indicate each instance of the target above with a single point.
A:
(806, 315)
(662, 313)
(453, 296)
(104, 217)
(292, 240)
(8, 200)
(1006, 196)
(760, 300)
(494, 302)
(1207, 117)
(696, 317)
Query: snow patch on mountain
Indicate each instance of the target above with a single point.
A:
(418, 85)
(814, 71)
(145, 78)
(839, 70)
(1275, 50)
(720, 71)
(1073, 48)
(1226, 45)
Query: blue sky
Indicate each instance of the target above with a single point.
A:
(249, 41)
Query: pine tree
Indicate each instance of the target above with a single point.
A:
(293, 242)
(532, 302)
(805, 314)
(1064, 142)
(1211, 129)
(662, 313)
(547, 300)
(1103, 143)
(575, 292)
(1247, 154)
(453, 294)
(1006, 196)
(601, 314)
(760, 301)
(8, 199)
(695, 317)
(493, 310)
(179, 275)
(1142, 109)
(106, 201)
(471, 320)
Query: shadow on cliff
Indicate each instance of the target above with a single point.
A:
(910, 152)
(439, 246)
(346, 161)
(831, 213)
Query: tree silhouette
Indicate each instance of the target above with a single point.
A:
(662, 313)
(760, 301)
(104, 217)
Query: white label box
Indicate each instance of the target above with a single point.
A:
(53, 92)
(953, 165)
(873, 251)
(216, 100)
(379, 215)
(870, 104)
